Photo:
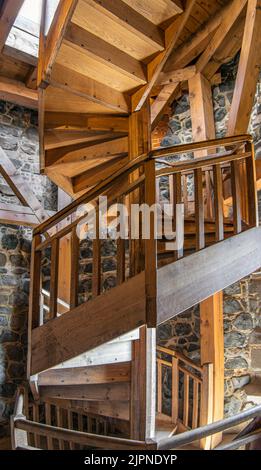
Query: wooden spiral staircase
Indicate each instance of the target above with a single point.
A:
(92, 351)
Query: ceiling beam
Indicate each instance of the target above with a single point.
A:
(155, 67)
(179, 75)
(16, 92)
(105, 53)
(248, 71)
(89, 89)
(163, 100)
(9, 13)
(228, 19)
(22, 56)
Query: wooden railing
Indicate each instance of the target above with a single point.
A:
(191, 389)
(51, 427)
(136, 183)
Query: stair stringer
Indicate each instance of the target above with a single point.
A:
(114, 313)
(202, 274)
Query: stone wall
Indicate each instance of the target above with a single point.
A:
(242, 300)
(19, 139)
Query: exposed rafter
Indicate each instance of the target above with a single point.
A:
(248, 71)
(16, 92)
(164, 98)
(156, 66)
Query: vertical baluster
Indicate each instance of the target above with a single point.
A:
(195, 404)
(96, 273)
(251, 186)
(151, 247)
(199, 209)
(175, 390)
(236, 194)
(206, 402)
(186, 400)
(80, 422)
(35, 290)
(59, 418)
(54, 277)
(121, 250)
(218, 203)
(36, 418)
(159, 387)
(70, 426)
(177, 199)
(48, 420)
(185, 193)
(75, 247)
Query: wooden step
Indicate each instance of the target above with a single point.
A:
(164, 427)
(103, 374)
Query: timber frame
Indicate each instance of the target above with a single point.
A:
(106, 77)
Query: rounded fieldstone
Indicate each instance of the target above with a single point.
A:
(164, 332)
(232, 306)
(233, 289)
(109, 264)
(8, 337)
(240, 382)
(192, 347)
(26, 285)
(8, 390)
(16, 370)
(220, 114)
(25, 245)
(3, 259)
(108, 248)
(18, 299)
(234, 340)
(236, 363)
(243, 321)
(229, 389)
(8, 280)
(232, 406)
(18, 261)
(175, 125)
(109, 282)
(28, 148)
(85, 286)
(14, 352)
(182, 329)
(17, 322)
(9, 241)
(3, 320)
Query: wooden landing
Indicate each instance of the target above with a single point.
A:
(206, 272)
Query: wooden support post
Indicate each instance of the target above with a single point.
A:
(143, 386)
(211, 310)
(206, 405)
(212, 351)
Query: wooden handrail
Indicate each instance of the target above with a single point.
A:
(191, 165)
(202, 145)
(180, 356)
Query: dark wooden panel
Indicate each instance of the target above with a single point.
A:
(202, 274)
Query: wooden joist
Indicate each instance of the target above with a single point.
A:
(16, 92)
(248, 71)
(17, 215)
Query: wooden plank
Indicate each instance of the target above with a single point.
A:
(118, 312)
(74, 282)
(186, 400)
(121, 250)
(16, 92)
(206, 406)
(165, 97)
(118, 15)
(156, 66)
(252, 188)
(248, 71)
(105, 53)
(114, 409)
(195, 404)
(176, 76)
(86, 375)
(96, 269)
(89, 89)
(151, 247)
(228, 20)
(34, 299)
(175, 391)
(14, 218)
(88, 122)
(9, 13)
(157, 11)
(48, 420)
(97, 392)
(202, 274)
(236, 195)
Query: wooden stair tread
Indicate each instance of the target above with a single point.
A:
(164, 427)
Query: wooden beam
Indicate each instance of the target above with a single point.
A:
(9, 12)
(50, 47)
(228, 19)
(248, 71)
(118, 311)
(97, 392)
(16, 92)
(19, 55)
(176, 76)
(91, 122)
(17, 215)
(102, 51)
(163, 100)
(157, 64)
(87, 88)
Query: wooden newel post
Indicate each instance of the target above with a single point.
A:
(34, 299)
(151, 246)
(252, 205)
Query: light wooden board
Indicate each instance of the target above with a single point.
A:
(156, 11)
